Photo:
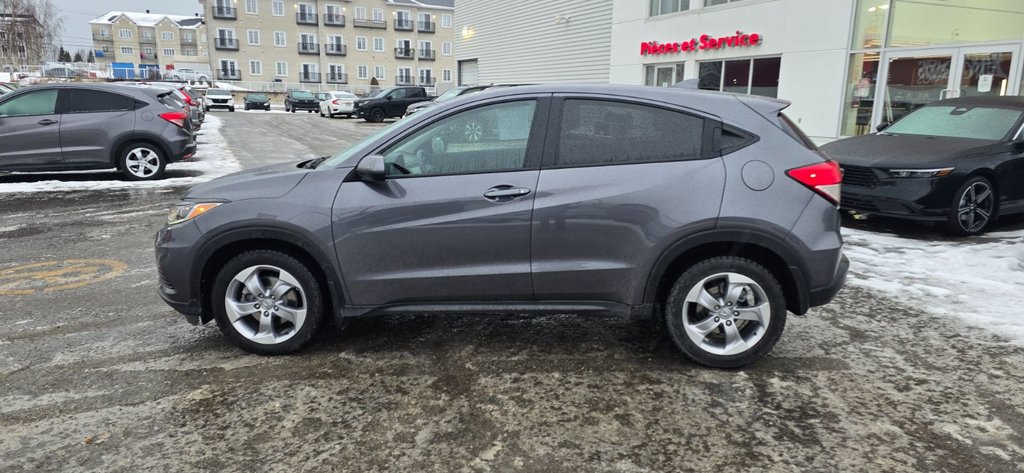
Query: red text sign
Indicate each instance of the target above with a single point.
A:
(704, 42)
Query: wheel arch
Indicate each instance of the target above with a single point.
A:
(214, 254)
(768, 251)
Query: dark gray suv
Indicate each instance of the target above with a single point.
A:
(61, 127)
(710, 210)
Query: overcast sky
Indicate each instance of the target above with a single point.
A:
(78, 13)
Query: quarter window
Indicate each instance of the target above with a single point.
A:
(597, 132)
(92, 101)
(485, 139)
(42, 102)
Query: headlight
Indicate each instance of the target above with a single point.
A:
(186, 211)
(910, 173)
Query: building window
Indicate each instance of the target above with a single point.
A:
(378, 44)
(446, 48)
(127, 50)
(254, 37)
(147, 35)
(168, 51)
(664, 7)
(256, 68)
(167, 36)
(124, 33)
(711, 3)
(379, 73)
(360, 43)
(446, 21)
(277, 8)
(362, 72)
(252, 7)
(106, 49)
(103, 33)
(427, 77)
(446, 75)
(663, 75)
(742, 76)
(360, 13)
(378, 14)
(281, 69)
(280, 39)
(148, 50)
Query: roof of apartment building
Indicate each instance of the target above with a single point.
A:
(446, 4)
(148, 19)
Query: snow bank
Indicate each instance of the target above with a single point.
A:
(978, 280)
(213, 159)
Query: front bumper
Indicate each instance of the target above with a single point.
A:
(174, 247)
(824, 295)
(306, 106)
(227, 105)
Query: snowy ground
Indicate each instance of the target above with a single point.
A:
(979, 281)
(213, 159)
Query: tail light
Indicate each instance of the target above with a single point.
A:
(824, 178)
(177, 118)
(188, 99)
(334, 102)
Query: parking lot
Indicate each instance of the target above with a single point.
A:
(97, 373)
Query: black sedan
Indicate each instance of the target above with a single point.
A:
(957, 162)
(301, 100)
(257, 101)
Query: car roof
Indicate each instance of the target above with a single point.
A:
(983, 101)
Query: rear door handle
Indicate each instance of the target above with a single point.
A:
(505, 192)
(46, 121)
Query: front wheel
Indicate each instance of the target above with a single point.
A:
(142, 162)
(377, 115)
(726, 312)
(267, 302)
(974, 207)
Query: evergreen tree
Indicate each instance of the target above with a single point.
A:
(91, 57)
(78, 57)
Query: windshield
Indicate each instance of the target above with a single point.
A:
(382, 93)
(302, 94)
(258, 97)
(981, 123)
(348, 153)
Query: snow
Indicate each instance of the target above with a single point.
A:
(227, 86)
(214, 158)
(979, 280)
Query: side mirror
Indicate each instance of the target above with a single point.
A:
(389, 98)
(882, 126)
(371, 168)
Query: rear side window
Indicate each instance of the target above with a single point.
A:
(599, 132)
(794, 131)
(92, 101)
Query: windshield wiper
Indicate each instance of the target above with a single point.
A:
(312, 164)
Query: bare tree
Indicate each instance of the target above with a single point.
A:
(28, 30)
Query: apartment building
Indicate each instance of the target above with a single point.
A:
(21, 40)
(353, 43)
(139, 43)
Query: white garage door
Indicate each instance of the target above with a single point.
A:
(468, 72)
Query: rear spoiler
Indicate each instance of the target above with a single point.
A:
(765, 106)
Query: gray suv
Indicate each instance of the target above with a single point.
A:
(62, 127)
(709, 210)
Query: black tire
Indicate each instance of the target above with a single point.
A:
(709, 272)
(348, 115)
(231, 109)
(376, 115)
(978, 213)
(309, 111)
(131, 157)
(313, 301)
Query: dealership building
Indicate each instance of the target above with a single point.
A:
(846, 65)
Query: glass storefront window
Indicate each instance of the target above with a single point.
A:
(934, 22)
(859, 95)
(869, 24)
(710, 75)
(663, 75)
(664, 7)
(742, 76)
(764, 80)
(737, 76)
(985, 74)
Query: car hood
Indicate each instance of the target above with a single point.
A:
(421, 105)
(883, 150)
(265, 182)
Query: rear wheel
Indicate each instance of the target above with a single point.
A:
(974, 207)
(267, 302)
(726, 312)
(142, 161)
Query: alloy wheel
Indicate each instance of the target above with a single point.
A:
(726, 314)
(975, 208)
(142, 162)
(265, 304)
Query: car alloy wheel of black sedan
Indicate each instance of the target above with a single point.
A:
(976, 203)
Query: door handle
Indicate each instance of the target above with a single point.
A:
(505, 192)
(46, 121)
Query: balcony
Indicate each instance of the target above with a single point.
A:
(427, 81)
(229, 74)
(309, 48)
(428, 55)
(101, 37)
(404, 53)
(188, 41)
(147, 56)
(364, 23)
(334, 49)
(403, 25)
(404, 80)
(225, 44)
(225, 13)
(426, 26)
(334, 19)
(309, 77)
(337, 78)
(306, 18)
(147, 40)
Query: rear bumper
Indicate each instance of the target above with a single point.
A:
(824, 295)
(181, 145)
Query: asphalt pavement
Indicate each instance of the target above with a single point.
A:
(98, 374)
